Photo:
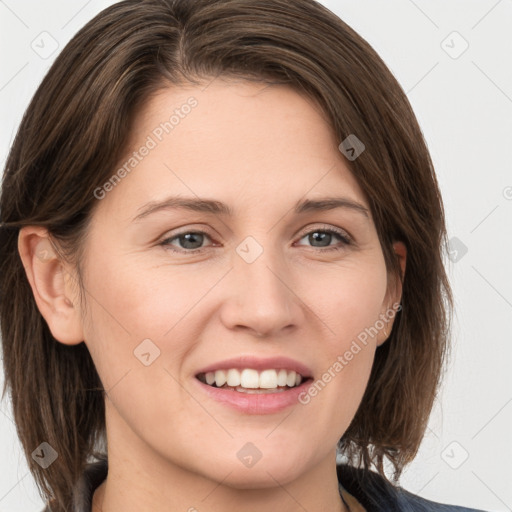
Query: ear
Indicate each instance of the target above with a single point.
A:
(52, 284)
(393, 295)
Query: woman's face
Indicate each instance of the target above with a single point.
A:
(174, 291)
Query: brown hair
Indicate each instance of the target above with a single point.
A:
(75, 131)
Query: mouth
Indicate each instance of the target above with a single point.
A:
(252, 381)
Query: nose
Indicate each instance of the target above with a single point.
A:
(261, 298)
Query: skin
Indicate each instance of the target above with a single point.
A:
(259, 149)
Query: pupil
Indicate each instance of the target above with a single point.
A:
(190, 237)
(319, 235)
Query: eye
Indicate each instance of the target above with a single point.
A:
(192, 241)
(189, 241)
(325, 236)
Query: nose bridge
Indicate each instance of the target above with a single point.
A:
(263, 300)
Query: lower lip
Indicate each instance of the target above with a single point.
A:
(263, 403)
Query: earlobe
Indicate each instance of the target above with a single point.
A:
(51, 284)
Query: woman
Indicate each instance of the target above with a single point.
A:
(162, 286)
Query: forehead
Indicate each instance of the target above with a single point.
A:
(249, 140)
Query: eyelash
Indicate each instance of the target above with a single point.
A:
(345, 240)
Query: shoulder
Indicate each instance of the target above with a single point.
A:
(376, 494)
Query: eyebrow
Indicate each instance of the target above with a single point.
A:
(220, 208)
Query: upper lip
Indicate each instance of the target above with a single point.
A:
(259, 364)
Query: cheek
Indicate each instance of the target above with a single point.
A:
(130, 302)
(139, 300)
(350, 301)
(350, 310)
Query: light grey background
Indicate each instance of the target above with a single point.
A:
(463, 100)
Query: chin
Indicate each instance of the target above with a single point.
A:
(267, 472)
(253, 478)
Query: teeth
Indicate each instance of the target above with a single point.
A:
(220, 378)
(281, 378)
(268, 379)
(249, 378)
(290, 380)
(233, 378)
